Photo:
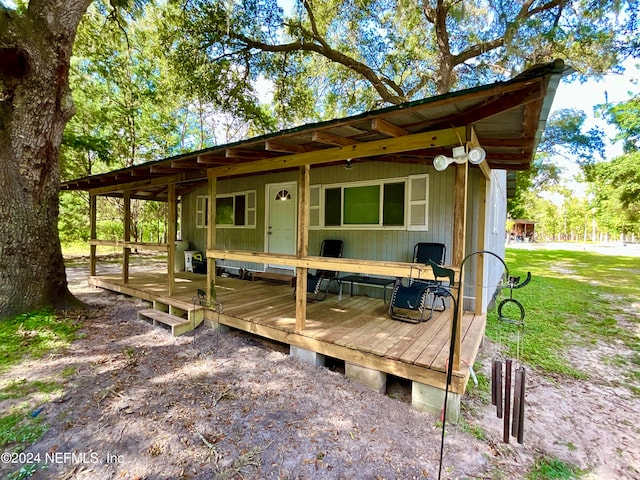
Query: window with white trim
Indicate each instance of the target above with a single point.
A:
(395, 203)
(380, 204)
(233, 210)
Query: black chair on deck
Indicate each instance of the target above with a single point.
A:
(330, 249)
(427, 253)
(412, 294)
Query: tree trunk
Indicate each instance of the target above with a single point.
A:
(35, 105)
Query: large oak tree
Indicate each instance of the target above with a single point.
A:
(36, 42)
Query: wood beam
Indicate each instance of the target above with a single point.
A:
(278, 146)
(439, 138)
(459, 244)
(92, 233)
(501, 103)
(211, 236)
(171, 234)
(302, 247)
(121, 187)
(126, 251)
(473, 143)
(241, 154)
(387, 128)
(373, 267)
(191, 164)
(331, 139)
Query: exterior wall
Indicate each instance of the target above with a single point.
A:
(495, 195)
(495, 233)
(381, 244)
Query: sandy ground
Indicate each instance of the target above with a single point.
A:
(141, 404)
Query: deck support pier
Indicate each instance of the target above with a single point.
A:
(427, 398)
(307, 356)
(368, 377)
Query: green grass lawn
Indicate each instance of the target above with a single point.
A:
(574, 298)
(30, 335)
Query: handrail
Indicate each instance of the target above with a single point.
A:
(374, 267)
(122, 244)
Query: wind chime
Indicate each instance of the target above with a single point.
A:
(501, 392)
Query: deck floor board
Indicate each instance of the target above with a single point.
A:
(358, 324)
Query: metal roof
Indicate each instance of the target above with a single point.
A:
(507, 117)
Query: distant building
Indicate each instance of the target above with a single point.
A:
(523, 231)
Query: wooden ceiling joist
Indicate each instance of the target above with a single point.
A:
(494, 106)
(387, 128)
(433, 139)
(276, 146)
(332, 139)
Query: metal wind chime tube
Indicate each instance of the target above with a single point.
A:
(501, 392)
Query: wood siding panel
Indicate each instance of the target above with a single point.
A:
(393, 245)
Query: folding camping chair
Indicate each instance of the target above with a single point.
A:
(410, 294)
(427, 253)
(330, 249)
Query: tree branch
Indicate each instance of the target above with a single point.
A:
(320, 47)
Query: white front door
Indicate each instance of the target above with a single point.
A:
(281, 218)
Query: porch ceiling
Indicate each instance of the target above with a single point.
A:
(508, 118)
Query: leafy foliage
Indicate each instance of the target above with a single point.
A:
(626, 117)
(352, 55)
(616, 185)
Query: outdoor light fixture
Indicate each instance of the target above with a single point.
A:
(475, 156)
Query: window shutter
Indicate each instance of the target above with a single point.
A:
(251, 209)
(314, 206)
(418, 202)
(201, 211)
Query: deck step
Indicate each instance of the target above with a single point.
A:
(178, 325)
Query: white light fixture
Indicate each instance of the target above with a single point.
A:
(475, 156)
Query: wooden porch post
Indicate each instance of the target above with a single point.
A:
(171, 239)
(459, 244)
(211, 236)
(303, 247)
(93, 233)
(126, 251)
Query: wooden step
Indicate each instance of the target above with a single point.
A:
(177, 325)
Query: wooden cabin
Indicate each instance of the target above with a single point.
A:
(264, 206)
(523, 231)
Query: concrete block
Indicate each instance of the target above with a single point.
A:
(374, 379)
(431, 399)
(220, 327)
(307, 356)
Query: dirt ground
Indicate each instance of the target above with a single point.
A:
(141, 404)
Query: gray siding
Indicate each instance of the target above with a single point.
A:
(387, 244)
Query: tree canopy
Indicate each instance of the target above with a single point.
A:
(352, 55)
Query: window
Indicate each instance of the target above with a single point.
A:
(380, 204)
(232, 210)
(202, 211)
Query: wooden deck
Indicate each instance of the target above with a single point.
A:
(354, 329)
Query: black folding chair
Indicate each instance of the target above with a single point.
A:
(315, 289)
(427, 253)
(411, 294)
